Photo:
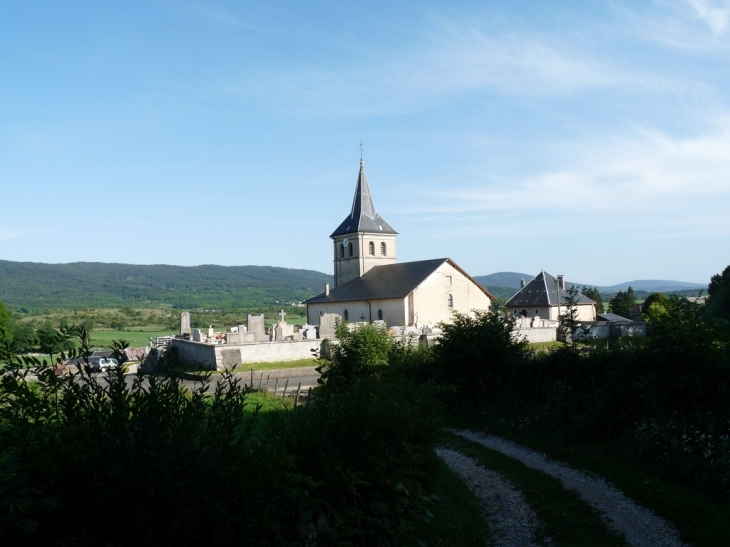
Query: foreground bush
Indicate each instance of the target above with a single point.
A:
(91, 462)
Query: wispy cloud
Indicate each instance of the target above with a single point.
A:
(689, 26)
(447, 62)
(648, 170)
(221, 16)
(715, 13)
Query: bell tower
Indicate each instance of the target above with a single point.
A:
(364, 239)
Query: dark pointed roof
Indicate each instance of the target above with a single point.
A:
(543, 291)
(363, 217)
(389, 281)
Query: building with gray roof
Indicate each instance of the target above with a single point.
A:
(545, 297)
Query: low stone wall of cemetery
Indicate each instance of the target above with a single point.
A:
(222, 356)
(539, 334)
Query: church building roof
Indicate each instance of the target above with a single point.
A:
(543, 291)
(362, 217)
(389, 281)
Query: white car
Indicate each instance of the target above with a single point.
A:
(103, 364)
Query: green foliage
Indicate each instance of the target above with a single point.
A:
(623, 303)
(719, 292)
(655, 307)
(148, 461)
(476, 353)
(4, 317)
(362, 353)
(97, 285)
(593, 294)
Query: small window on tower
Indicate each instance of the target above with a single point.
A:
(350, 246)
(450, 301)
(346, 316)
(342, 251)
(383, 249)
(380, 315)
(448, 280)
(371, 248)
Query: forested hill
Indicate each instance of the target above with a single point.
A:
(35, 286)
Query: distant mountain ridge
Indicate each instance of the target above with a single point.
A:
(35, 285)
(512, 280)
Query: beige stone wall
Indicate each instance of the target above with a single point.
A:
(349, 268)
(431, 298)
(394, 311)
(191, 353)
(585, 312)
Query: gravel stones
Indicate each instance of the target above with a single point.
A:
(641, 527)
(510, 519)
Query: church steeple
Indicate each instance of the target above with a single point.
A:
(363, 217)
(364, 239)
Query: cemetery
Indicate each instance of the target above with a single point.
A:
(256, 343)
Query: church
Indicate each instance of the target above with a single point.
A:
(371, 285)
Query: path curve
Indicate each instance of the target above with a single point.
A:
(510, 519)
(641, 527)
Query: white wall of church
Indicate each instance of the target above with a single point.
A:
(431, 298)
(393, 311)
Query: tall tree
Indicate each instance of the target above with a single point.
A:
(655, 307)
(593, 294)
(623, 303)
(719, 291)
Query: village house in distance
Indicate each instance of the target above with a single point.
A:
(370, 285)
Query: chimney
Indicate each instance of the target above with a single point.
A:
(326, 289)
(522, 283)
(561, 282)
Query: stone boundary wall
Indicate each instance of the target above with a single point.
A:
(539, 334)
(221, 356)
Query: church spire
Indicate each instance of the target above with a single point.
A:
(363, 217)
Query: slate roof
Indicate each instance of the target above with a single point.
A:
(390, 281)
(612, 318)
(362, 217)
(543, 291)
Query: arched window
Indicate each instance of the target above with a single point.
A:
(350, 246)
(371, 248)
(382, 249)
(346, 316)
(450, 301)
(380, 315)
(342, 251)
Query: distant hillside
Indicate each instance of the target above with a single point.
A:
(655, 285)
(503, 279)
(512, 280)
(35, 286)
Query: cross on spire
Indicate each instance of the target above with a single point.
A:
(361, 150)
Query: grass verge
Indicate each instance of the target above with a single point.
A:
(700, 521)
(565, 518)
(457, 517)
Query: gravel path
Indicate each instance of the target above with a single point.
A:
(641, 527)
(510, 519)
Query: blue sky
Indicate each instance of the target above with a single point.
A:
(586, 138)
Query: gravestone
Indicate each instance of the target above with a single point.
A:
(230, 358)
(211, 332)
(185, 322)
(327, 324)
(255, 324)
(197, 335)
